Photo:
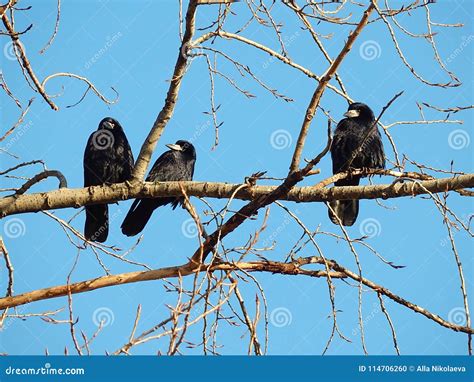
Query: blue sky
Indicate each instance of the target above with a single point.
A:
(133, 49)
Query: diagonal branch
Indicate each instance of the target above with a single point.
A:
(171, 98)
(315, 100)
(23, 60)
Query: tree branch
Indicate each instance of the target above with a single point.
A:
(171, 98)
(322, 86)
(274, 267)
(79, 197)
(23, 60)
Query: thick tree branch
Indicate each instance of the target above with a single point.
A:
(156, 274)
(78, 197)
(171, 98)
(274, 267)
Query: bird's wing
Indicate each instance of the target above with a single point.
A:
(345, 142)
(376, 151)
(351, 137)
(93, 165)
(124, 157)
(166, 168)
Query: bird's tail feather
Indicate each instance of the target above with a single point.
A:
(96, 227)
(345, 211)
(140, 213)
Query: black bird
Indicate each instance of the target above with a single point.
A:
(173, 165)
(108, 159)
(357, 144)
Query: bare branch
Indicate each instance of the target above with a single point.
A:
(74, 198)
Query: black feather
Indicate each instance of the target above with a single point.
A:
(172, 165)
(357, 144)
(108, 159)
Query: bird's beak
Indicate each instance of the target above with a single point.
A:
(351, 113)
(174, 147)
(109, 125)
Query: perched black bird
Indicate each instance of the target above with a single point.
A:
(108, 159)
(357, 144)
(173, 165)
